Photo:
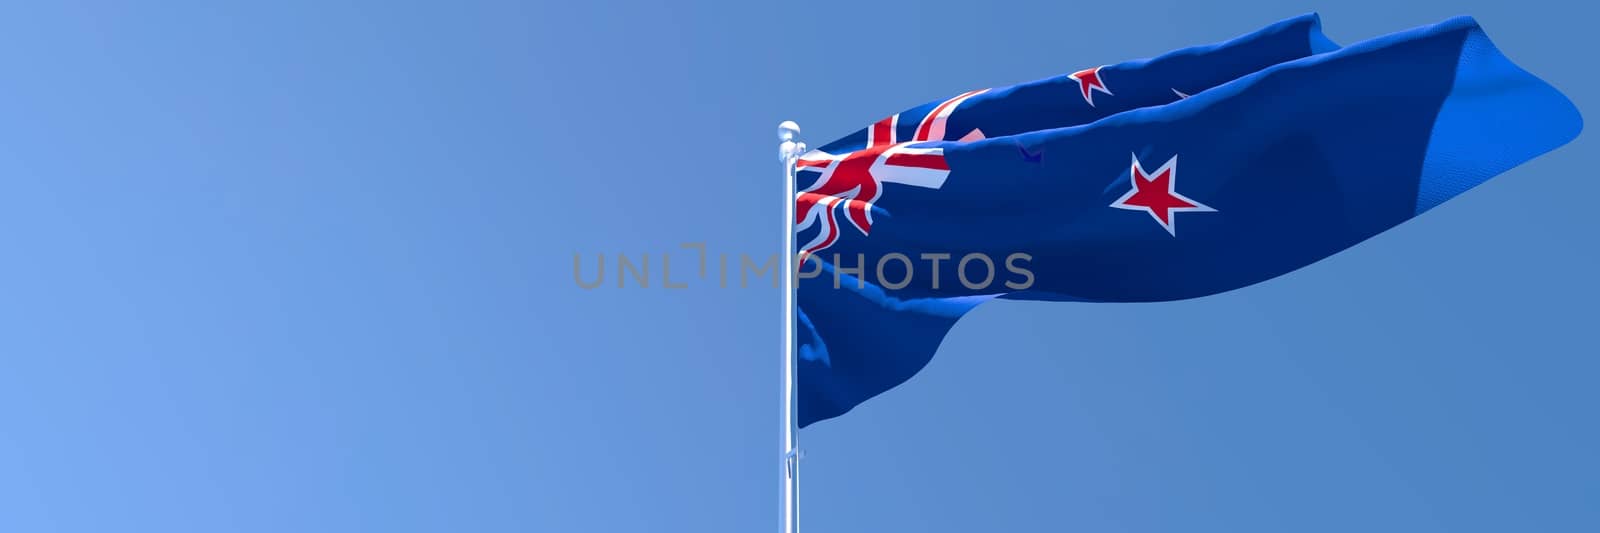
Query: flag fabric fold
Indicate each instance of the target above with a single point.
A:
(1197, 172)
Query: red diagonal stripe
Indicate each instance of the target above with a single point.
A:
(926, 128)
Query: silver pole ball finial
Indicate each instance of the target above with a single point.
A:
(789, 149)
(788, 130)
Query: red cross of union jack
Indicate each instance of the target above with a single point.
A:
(854, 180)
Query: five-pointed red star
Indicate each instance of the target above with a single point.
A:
(1156, 193)
(1089, 81)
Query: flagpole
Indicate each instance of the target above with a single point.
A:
(789, 151)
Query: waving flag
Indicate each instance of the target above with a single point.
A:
(1200, 171)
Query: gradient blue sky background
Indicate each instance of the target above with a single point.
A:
(306, 266)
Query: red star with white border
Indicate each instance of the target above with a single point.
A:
(1089, 81)
(1156, 193)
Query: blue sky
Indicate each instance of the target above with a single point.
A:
(307, 267)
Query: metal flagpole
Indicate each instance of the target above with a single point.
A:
(789, 151)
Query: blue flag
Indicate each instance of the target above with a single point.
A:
(1200, 171)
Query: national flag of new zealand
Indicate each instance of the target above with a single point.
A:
(1200, 171)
